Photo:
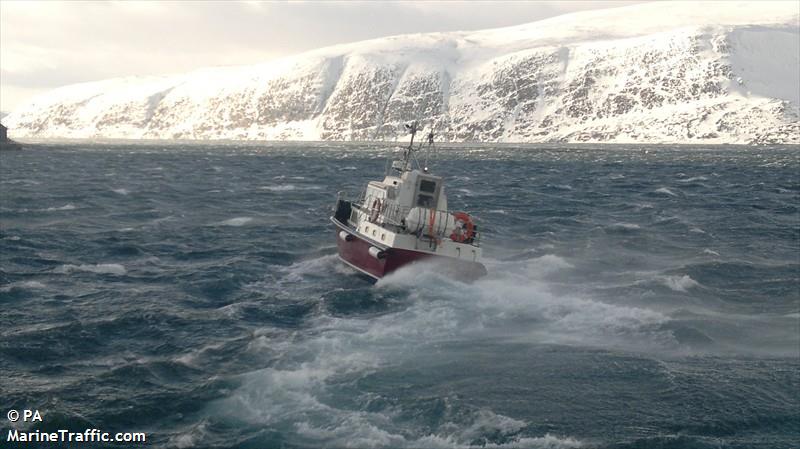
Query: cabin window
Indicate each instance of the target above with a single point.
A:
(427, 186)
(425, 201)
(427, 193)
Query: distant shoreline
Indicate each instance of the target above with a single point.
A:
(389, 145)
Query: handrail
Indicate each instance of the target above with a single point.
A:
(392, 213)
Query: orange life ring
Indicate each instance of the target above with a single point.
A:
(465, 232)
(376, 210)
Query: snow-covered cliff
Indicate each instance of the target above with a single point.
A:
(659, 72)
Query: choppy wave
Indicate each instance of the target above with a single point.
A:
(27, 285)
(628, 303)
(103, 268)
(45, 209)
(237, 221)
(625, 226)
(679, 283)
(357, 347)
(666, 191)
(279, 188)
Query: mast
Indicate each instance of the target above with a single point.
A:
(428, 152)
(408, 154)
(412, 128)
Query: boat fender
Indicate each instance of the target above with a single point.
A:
(347, 237)
(377, 253)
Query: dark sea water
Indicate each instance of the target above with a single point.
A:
(636, 298)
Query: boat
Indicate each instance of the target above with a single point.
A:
(7, 144)
(404, 220)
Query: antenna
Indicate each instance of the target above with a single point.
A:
(412, 128)
(428, 152)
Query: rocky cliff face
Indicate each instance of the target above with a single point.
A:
(697, 77)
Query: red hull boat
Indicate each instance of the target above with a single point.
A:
(403, 220)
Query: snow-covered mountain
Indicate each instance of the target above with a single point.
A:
(658, 72)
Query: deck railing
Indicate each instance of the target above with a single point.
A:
(391, 213)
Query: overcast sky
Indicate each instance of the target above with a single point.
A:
(49, 44)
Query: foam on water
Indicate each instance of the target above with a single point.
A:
(64, 207)
(514, 302)
(28, 285)
(666, 191)
(679, 283)
(519, 300)
(103, 268)
(279, 188)
(237, 221)
(694, 179)
(298, 271)
(625, 226)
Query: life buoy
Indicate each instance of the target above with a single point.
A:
(375, 211)
(464, 232)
